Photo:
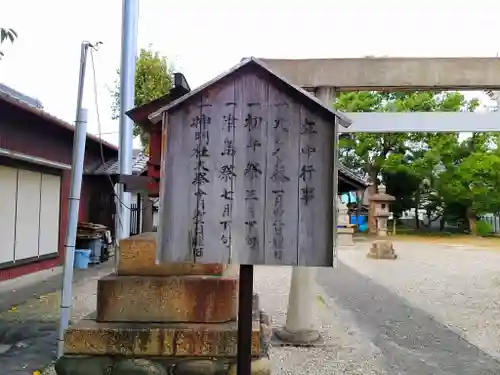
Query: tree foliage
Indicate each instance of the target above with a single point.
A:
(153, 79)
(7, 35)
(443, 174)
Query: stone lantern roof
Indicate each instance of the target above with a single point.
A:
(382, 196)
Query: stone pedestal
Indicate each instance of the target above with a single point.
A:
(162, 319)
(345, 236)
(345, 231)
(382, 249)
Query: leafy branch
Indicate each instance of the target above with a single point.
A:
(7, 35)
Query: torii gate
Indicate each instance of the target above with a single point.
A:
(326, 77)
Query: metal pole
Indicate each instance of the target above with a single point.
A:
(79, 138)
(245, 312)
(130, 16)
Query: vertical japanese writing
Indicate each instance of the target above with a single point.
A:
(252, 172)
(279, 176)
(308, 130)
(227, 173)
(200, 154)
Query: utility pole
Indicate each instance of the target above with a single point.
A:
(79, 139)
(130, 17)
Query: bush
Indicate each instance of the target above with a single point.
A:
(484, 228)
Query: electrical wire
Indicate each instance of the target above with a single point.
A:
(99, 130)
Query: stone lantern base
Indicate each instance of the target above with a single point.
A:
(382, 249)
(345, 236)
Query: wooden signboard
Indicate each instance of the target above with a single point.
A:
(247, 173)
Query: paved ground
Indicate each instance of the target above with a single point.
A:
(29, 316)
(431, 312)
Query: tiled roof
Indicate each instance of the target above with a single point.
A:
(139, 164)
(28, 104)
(4, 89)
(352, 175)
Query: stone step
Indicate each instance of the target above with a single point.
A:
(193, 299)
(88, 337)
(137, 257)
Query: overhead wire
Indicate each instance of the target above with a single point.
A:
(101, 145)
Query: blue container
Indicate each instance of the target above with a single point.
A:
(362, 219)
(82, 258)
(363, 225)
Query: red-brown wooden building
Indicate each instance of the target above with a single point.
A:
(35, 168)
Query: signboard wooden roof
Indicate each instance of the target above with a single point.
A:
(248, 173)
(252, 62)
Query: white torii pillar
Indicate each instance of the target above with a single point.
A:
(299, 327)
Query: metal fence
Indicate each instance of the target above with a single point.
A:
(494, 221)
(135, 219)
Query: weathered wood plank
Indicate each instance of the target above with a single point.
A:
(248, 233)
(335, 193)
(217, 201)
(282, 180)
(315, 191)
(178, 202)
(247, 177)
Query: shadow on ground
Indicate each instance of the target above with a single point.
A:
(411, 340)
(26, 346)
(49, 285)
(29, 322)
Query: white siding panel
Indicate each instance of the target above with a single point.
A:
(49, 214)
(28, 214)
(8, 187)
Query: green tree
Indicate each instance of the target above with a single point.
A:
(7, 35)
(153, 79)
(470, 183)
(373, 152)
(399, 154)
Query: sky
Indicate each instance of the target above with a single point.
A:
(203, 39)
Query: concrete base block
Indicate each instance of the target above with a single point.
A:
(300, 338)
(137, 257)
(382, 249)
(345, 236)
(197, 299)
(176, 340)
(345, 239)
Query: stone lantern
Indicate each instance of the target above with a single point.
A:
(382, 248)
(382, 212)
(345, 230)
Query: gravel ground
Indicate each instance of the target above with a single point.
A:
(344, 348)
(31, 328)
(376, 317)
(459, 286)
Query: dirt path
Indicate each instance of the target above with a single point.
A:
(461, 240)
